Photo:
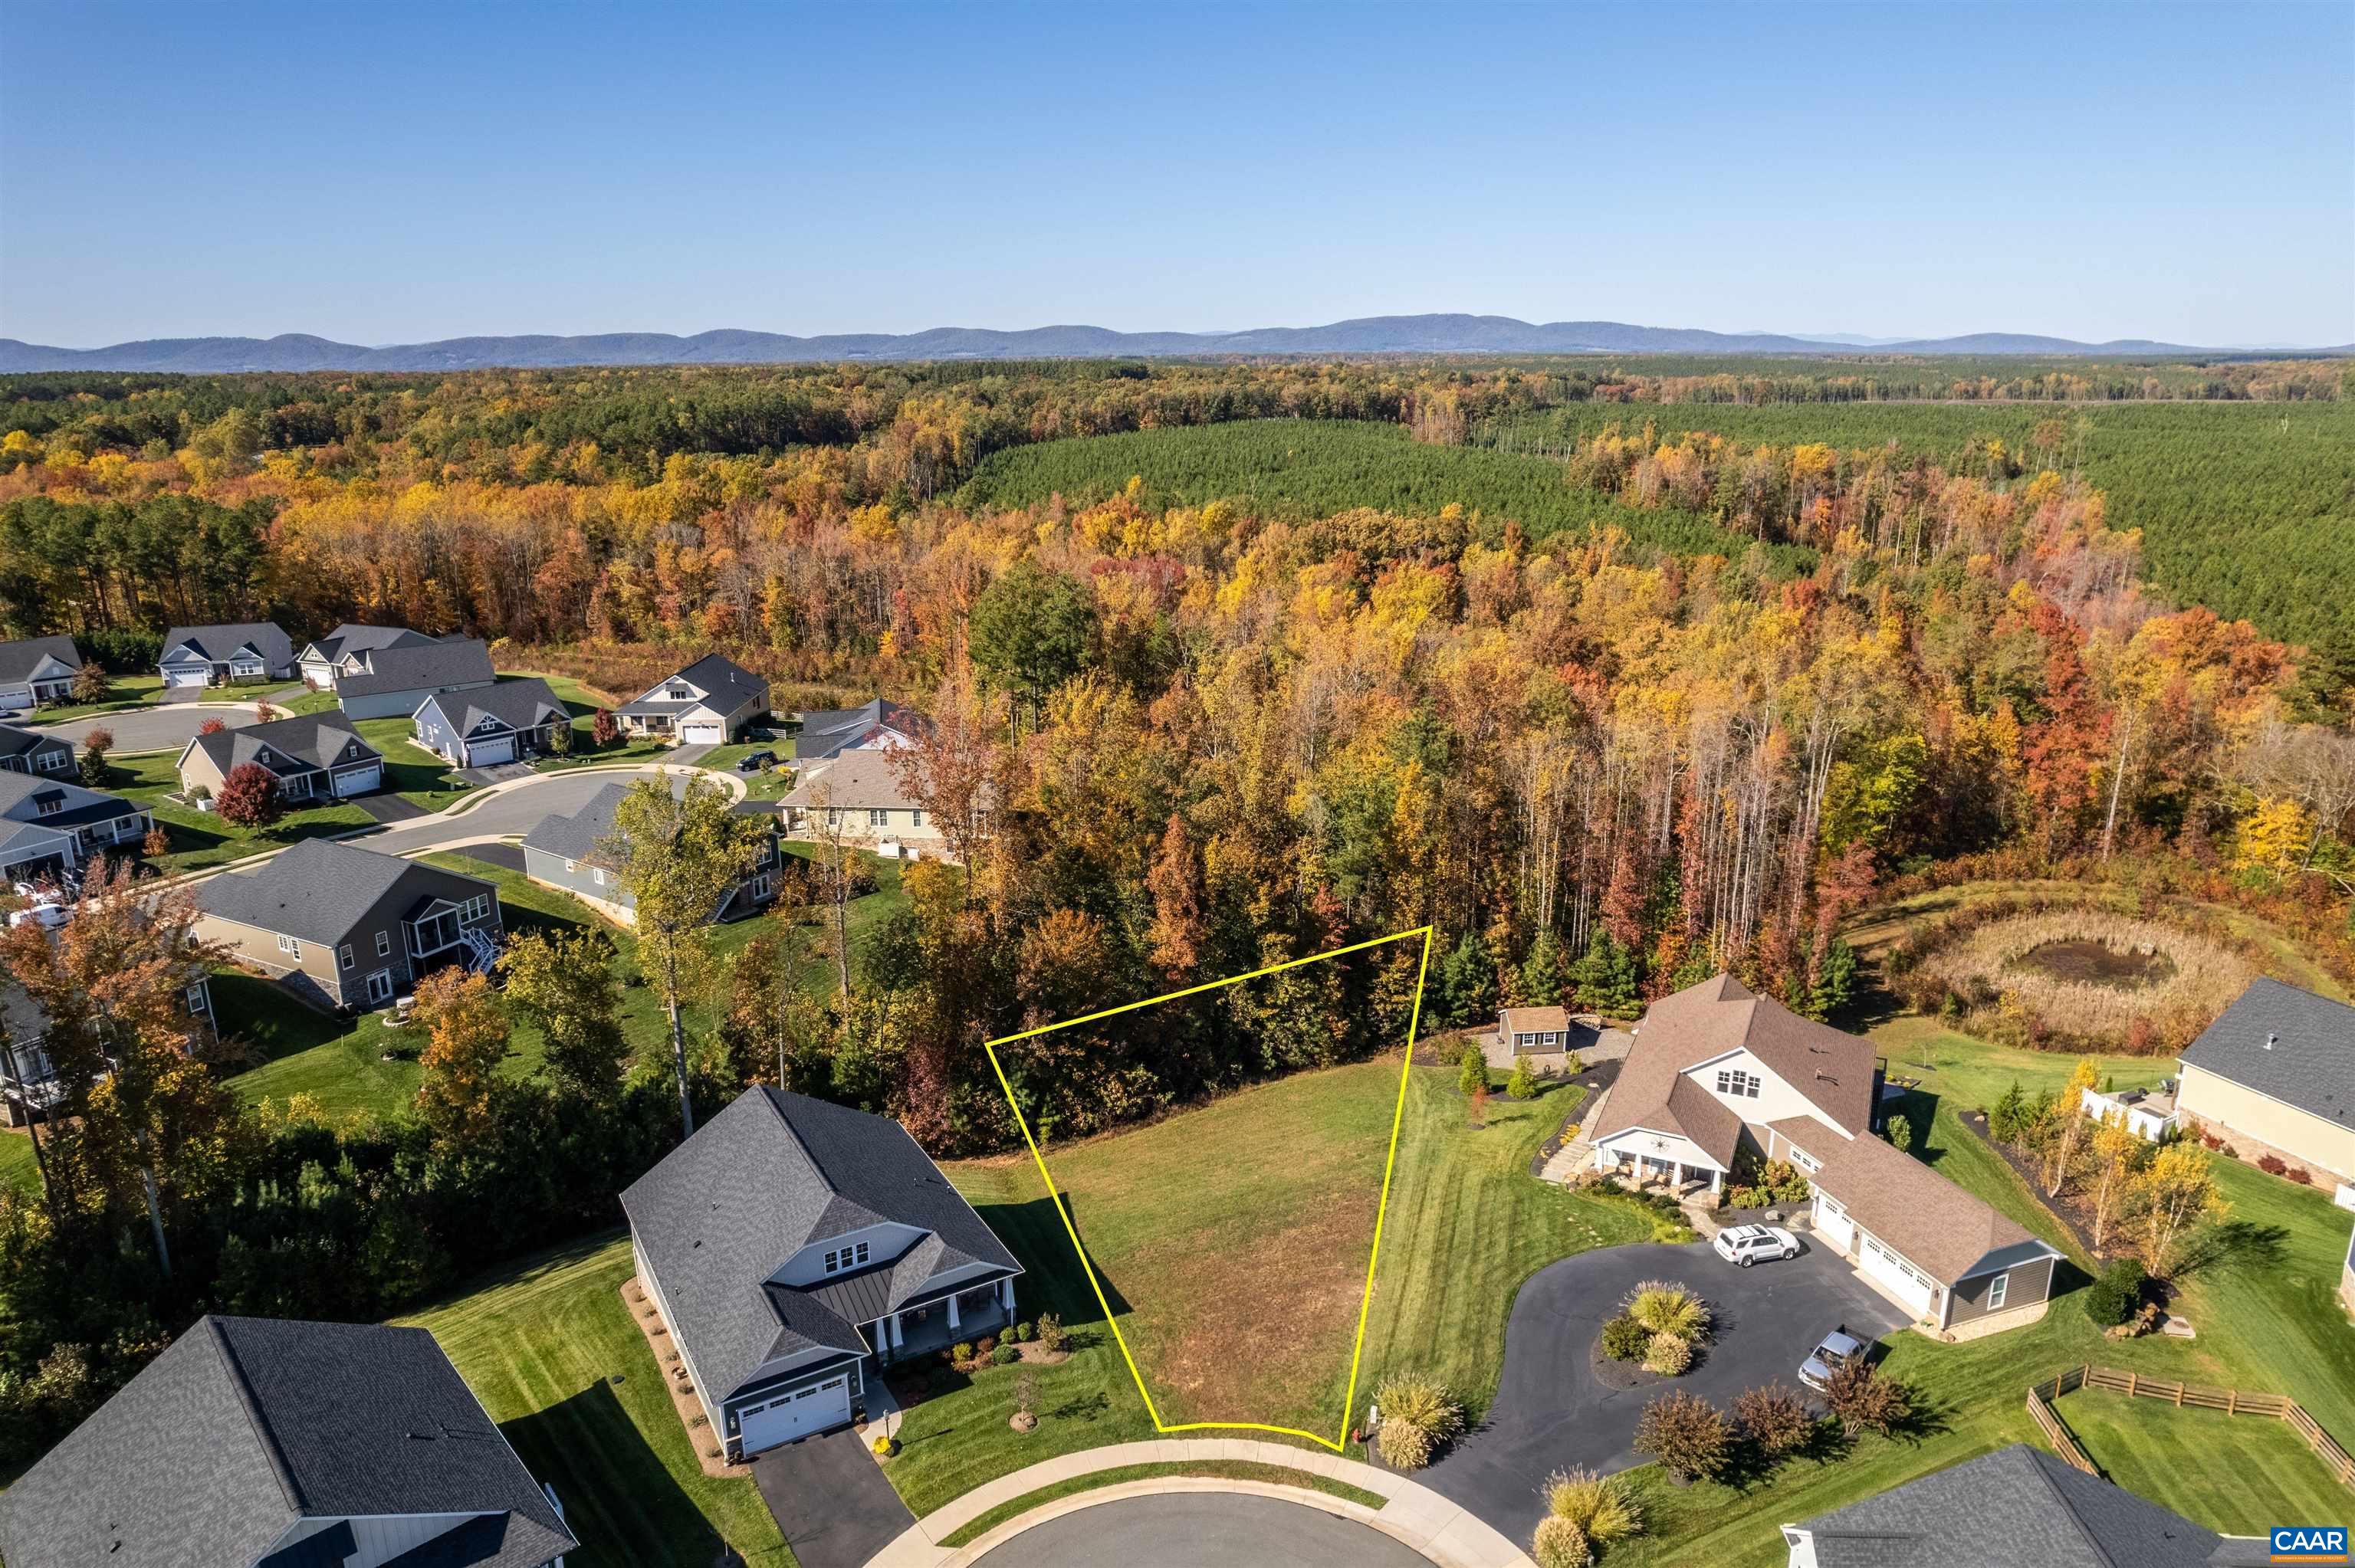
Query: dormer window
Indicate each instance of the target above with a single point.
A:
(842, 1258)
(1734, 1083)
(679, 694)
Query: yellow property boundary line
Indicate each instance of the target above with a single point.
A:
(1338, 1442)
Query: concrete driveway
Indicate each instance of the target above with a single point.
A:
(165, 727)
(1551, 1413)
(831, 1500)
(1201, 1529)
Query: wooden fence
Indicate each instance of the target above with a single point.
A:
(2183, 1396)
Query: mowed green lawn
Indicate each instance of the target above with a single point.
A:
(2238, 1475)
(549, 1348)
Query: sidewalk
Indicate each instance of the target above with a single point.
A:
(1413, 1514)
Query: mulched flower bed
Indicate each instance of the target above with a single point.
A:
(1624, 1375)
(1977, 1122)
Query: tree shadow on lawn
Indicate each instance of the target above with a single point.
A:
(588, 1449)
(2234, 1247)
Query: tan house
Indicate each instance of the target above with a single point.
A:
(313, 756)
(858, 793)
(2276, 1073)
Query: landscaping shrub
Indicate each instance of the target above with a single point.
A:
(1685, 1433)
(2115, 1292)
(962, 1351)
(1601, 1505)
(2299, 1174)
(1624, 1338)
(1018, 1333)
(1774, 1418)
(1419, 1417)
(2272, 1164)
(1559, 1544)
(1667, 1354)
(1864, 1400)
(1473, 1069)
(1787, 1182)
(1523, 1083)
(1900, 1133)
(1005, 1356)
(1666, 1307)
(1051, 1332)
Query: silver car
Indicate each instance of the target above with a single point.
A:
(1839, 1347)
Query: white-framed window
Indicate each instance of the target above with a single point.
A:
(1805, 1160)
(199, 997)
(56, 761)
(1733, 1083)
(1997, 1288)
(49, 805)
(916, 818)
(760, 886)
(876, 817)
(292, 946)
(599, 873)
(379, 987)
(840, 1258)
(475, 910)
(572, 866)
(344, 958)
(383, 943)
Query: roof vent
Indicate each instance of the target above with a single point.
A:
(2270, 1038)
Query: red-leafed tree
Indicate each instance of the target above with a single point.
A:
(212, 727)
(248, 796)
(604, 729)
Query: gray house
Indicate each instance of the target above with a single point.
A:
(2015, 1508)
(794, 1248)
(208, 655)
(877, 726)
(503, 723)
(2276, 1071)
(37, 670)
(346, 927)
(29, 751)
(386, 682)
(561, 852)
(313, 756)
(28, 1079)
(49, 826)
(277, 1444)
(707, 702)
(320, 661)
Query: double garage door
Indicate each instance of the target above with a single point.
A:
(707, 732)
(359, 780)
(188, 675)
(483, 753)
(797, 1414)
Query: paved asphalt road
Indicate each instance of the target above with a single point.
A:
(514, 810)
(1551, 1413)
(830, 1499)
(1201, 1529)
(170, 727)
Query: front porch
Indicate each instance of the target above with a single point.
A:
(1650, 1160)
(953, 1319)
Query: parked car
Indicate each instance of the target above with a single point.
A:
(1838, 1347)
(1742, 1245)
(753, 762)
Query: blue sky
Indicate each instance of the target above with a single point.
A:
(390, 173)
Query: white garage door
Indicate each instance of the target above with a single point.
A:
(1895, 1272)
(796, 1414)
(360, 780)
(483, 753)
(189, 676)
(706, 732)
(1833, 1220)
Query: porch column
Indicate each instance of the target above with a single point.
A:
(1717, 1180)
(1006, 1295)
(898, 1337)
(953, 1314)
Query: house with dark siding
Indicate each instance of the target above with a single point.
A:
(388, 683)
(226, 655)
(485, 726)
(562, 851)
(38, 669)
(30, 751)
(50, 825)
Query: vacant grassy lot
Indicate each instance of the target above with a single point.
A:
(549, 1349)
(2238, 1475)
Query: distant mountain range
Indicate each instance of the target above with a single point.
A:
(1367, 335)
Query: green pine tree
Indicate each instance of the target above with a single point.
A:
(1542, 971)
(1473, 1073)
(1523, 1083)
(1467, 982)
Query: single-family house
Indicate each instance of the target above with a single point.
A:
(37, 670)
(876, 725)
(225, 655)
(1718, 1074)
(487, 725)
(348, 927)
(320, 661)
(385, 683)
(562, 851)
(2018, 1506)
(860, 795)
(50, 826)
(794, 1248)
(2277, 1071)
(707, 703)
(30, 751)
(28, 1079)
(271, 1443)
(2147, 1113)
(313, 756)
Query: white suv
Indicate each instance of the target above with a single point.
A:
(1746, 1245)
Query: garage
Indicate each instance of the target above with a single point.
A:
(794, 1415)
(1904, 1281)
(703, 731)
(483, 753)
(187, 675)
(359, 780)
(1832, 1219)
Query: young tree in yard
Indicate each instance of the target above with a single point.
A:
(677, 856)
(265, 713)
(2116, 1152)
(466, 1038)
(1471, 1069)
(563, 986)
(90, 683)
(559, 738)
(94, 747)
(248, 796)
(2175, 1193)
(140, 1123)
(2064, 1130)
(1864, 1400)
(156, 844)
(1685, 1433)
(834, 868)
(604, 729)
(771, 1019)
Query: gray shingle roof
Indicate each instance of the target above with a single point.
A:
(519, 705)
(20, 658)
(18, 791)
(319, 889)
(2311, 1061)
(575, 837)
(245, 1426)
(217, 643)
(766, 1177)
(828, 732)
(319, 740)
(15, 742)
(2016, 1508)
(728, 683)
(421, 667)
(353, 637)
